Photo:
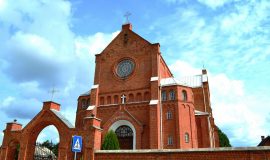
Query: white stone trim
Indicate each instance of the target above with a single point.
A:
(94, 86)
(119, 123)
(153, 102)
(154, 79)
(204, 78)
(200, 113)
(90, 107)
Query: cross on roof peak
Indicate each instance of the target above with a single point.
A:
(127, 15)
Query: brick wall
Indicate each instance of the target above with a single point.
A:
(251, 153)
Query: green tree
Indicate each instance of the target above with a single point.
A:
(223, 139)
(55, 149)
(110, 141)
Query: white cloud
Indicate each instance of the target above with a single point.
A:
(214, 3)
(28, 107)
(7, 101)
(181, 68)
(91, 45)
(224, 86)
(31, 43)
(2, 4)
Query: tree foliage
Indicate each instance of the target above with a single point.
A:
(110, 141)
(223, 139)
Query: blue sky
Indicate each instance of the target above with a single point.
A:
(53, 43)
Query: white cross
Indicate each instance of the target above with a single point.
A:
(127, 15)
(123, 97)
(53, 91)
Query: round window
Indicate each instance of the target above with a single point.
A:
(125, 68)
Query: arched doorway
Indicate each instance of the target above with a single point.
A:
(127, 130)
(125, 137)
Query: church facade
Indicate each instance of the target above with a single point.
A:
(135, 95)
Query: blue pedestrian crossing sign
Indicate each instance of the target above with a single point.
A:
(76, 143)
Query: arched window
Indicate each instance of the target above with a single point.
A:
(84, 103)
(101, 101)
(139, 97)
(124, 131)
(163, 96)
(172, 95)
(131, 97)
(109, 100)
(186, 137)
(169, 114)
(115, 99)
(184, 95)
(170, 140)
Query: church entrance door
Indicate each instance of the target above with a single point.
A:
(125, 137)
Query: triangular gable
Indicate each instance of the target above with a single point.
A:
(41, 116)
(120, 36)
(119, 114)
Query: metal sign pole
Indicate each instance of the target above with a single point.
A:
(75, 156)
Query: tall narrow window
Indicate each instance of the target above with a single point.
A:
(172, 95)
(109, 101)
(169, 115)
(170, 140)
(84, 103)
(115, 99)
(184, 95)
(186, 137)
(131, 97)
(101, 101)
(163, 96)
(139, 97)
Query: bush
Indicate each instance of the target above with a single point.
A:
(110, 141)
(223, 139)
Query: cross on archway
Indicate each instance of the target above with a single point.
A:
(123, 98)
(53, 91)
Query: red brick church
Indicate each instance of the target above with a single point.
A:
(134, 94)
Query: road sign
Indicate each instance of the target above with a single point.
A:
(76, 144)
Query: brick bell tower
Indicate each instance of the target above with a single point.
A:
(135, 95)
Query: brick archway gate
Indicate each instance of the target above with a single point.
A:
(26, 137)
(64, 140)
(49, 115)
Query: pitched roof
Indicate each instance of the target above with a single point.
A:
(86, 93)
(264, 141)
(62, 118)
(190, 81)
